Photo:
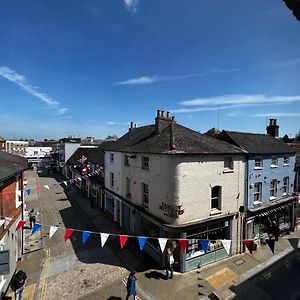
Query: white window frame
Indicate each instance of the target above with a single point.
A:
(145, 162)
(18, 201)
(285, 185)
(257, 191)
(258, 163)
(274, 161)
(145, 195)
(273, 189)
(126, 160)
(214, 198)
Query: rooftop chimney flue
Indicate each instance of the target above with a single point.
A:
(273, 128)
(162, 121)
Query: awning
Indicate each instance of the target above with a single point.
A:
(273, 210)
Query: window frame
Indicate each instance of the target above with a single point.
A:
(112, 180)
(214, 198)
(286, 160)
(126, 160)
(256, 166)
(273, 188)
(257, 190)
(145, 162)
(145, 195)
(111, 157)
(228, 163)
(285, 185)
(274, 158)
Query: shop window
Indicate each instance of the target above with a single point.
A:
(285, 185)
(128, 187)
(228, 163)
(216, 198)
(145, 195)
(274, 161)
(257, 193)
(258, 163)
(273, 188)
(145, 162)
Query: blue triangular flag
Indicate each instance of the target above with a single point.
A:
(271, 244)
(28, 190)
(204, 245)
(35, 228)
(142, 241)
(85, 236)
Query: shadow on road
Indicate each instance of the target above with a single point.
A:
(80, 212)
(155, 275)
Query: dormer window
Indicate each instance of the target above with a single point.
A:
(274, 162)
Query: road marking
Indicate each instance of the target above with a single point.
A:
(44, 284)
(122, 270)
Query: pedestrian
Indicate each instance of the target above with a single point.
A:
(32, 218)
(18, 284)
(131, 285)
(169, 264)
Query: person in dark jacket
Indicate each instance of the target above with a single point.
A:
(32, 218)
(131, 285)
(18, 284)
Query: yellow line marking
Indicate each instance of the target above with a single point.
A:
(43, 293)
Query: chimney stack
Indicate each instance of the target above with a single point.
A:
(273, 128)
(162, 121)
(131, 126)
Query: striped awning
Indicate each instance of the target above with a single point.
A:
(274, 210)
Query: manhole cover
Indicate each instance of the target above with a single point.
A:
(239, 262)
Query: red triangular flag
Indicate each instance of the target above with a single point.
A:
(249, 244)
(69, 232)
(123, 239)
(183, 244)
(38, 189)
(20, 224)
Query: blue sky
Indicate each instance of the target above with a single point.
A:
(90, 67)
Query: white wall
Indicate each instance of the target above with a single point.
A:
(41, 151)
(178, 179)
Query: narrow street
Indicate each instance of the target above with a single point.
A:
(71, 270)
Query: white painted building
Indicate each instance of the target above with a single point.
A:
(165, 180)
(16, 147)
(38, 155)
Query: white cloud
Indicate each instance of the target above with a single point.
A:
(61, 111)
(110, 123)
(141, 80)
(235, 100)
(287, 63)
(278, 114)
(234, 114)
(160, 78)
(21, 81)
(131, 5)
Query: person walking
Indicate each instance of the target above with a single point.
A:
(169, 265)
(32, 218)
(18, 284)
(131, 285)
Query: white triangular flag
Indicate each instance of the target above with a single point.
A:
(79, 178)
(19, 193)
(53, 229)
(227, 245)
(104, 237)
(162, 243)
(65, 183)
(46, 186)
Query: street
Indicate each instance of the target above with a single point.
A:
(71, 270)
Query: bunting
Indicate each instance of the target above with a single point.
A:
(227, 245)
(249, 244)
(162, 243)
(123, 240)
(183, 244)
(53, 229)
(35, 228)
(142, 241)
(19, 193)
(20, 224)
(271, 244)
(46, 187)
(38, 189)
(104, 237)
(28, 190)
(68, 234)
(204, 245)
(85, 236)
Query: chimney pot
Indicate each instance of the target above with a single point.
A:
(131, 124)
(158, 113)
(162, 113)
(173, 118)
(168, 114)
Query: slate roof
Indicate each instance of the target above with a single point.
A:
(97, 156)
(2, 139)
(77, 155)
(11, 165)
(186, 141)
(256, 143)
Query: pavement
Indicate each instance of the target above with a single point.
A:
(214, 281)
